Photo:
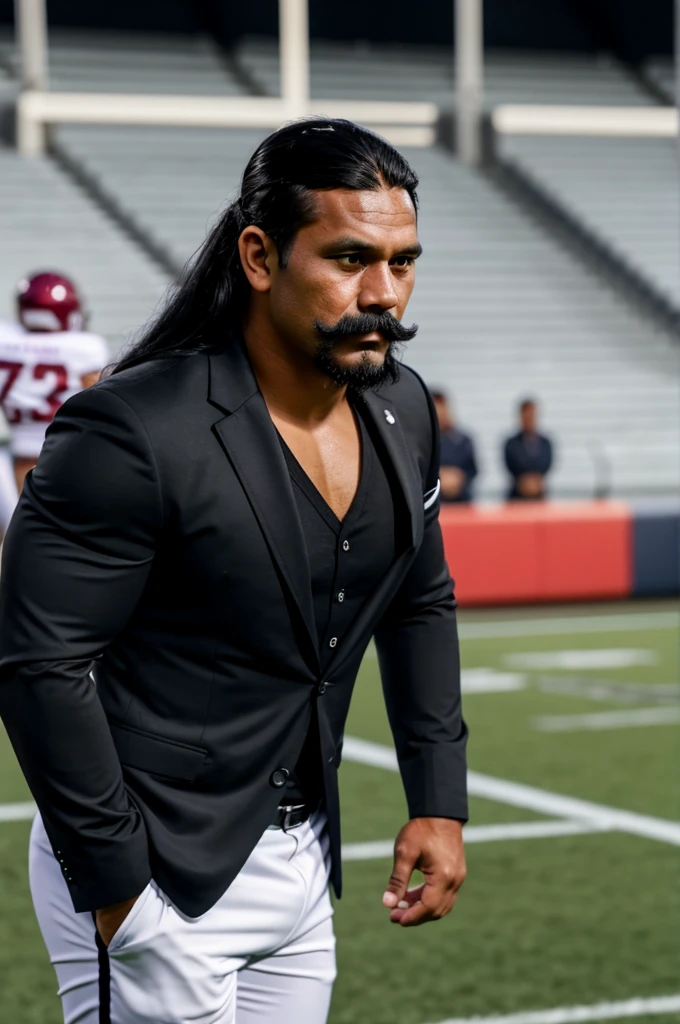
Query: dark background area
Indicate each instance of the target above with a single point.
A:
(631, 29)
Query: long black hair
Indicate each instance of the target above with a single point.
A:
(305, 156)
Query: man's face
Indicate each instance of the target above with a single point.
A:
(528, 418)
(356, 257)
(444, 417)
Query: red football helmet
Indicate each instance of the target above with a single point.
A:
(49, 302)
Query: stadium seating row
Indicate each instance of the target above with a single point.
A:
(623, 190)
(526, 554)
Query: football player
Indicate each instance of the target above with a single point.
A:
(44, 359)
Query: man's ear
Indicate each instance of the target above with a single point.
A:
(257, 251)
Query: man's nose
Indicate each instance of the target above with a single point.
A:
(378, 293)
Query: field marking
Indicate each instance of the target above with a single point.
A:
(542, 801)
(619, 693)
(567, 624)
(580, 1014)
(17, 812)
(607, 720)
(490, 680)
(384, 848)
(580, 660)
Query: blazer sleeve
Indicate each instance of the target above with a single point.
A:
(75, 561)
(417, 644)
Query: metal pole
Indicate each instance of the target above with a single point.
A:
(469, 79)
(294, 55)
(30, 21)
(30, 18)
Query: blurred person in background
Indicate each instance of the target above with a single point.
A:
(193, 574)
(45, 357)
(528, 456)
(458, 464)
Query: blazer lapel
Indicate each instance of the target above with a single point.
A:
(250, 442)
(386, 420)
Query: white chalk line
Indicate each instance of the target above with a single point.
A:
(598, 817)
(614, 692)
(640, 1007)
(17, 812)
(384, 848)
(607, 720)
(581, 660)
(567, 624)
(497, 629)
(531, 798)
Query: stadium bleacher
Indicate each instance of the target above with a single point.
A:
(193, 65)
(426, 73)
(624, 190)
(127, 62)
(47, 222)
(504, 307)
(660, 72)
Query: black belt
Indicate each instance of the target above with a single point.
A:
(289, 815)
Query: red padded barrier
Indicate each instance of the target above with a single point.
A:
(557, 551)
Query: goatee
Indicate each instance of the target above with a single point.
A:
(365, 374)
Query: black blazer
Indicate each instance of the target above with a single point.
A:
(157, 545)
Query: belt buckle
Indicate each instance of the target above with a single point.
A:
(288, 811)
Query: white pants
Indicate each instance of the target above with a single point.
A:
(264, 954)
(9, 495)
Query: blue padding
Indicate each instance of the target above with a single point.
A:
(656, 548)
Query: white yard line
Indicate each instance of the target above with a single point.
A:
(567, 624)
(373, 754)
(581, 660)
(17, 812)
(667, 694)
(384, 848)
(530, 797)
(591, 816)
(581, 1014)
(607, 720)
(496, 629)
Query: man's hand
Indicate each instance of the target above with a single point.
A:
(109, 919)
(530, 485)
(433, 846)
(452, 480)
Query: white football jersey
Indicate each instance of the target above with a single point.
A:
(38, 372)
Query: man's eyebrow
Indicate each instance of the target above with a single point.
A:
(347, 245)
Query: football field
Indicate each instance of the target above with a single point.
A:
(571, 910)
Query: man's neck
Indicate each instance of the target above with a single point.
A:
(292, 386)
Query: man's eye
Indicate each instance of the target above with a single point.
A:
(350, 259)
(403, 261)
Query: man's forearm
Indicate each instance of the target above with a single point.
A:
(419, 666)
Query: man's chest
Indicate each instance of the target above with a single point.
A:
(331, 458)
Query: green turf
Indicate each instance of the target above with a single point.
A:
(27, 982)
(544, 923)
(633, 768)
(540, 923)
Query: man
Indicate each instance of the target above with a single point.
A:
(528, 457)
(44, 359)
(216, 530)
(457, 462)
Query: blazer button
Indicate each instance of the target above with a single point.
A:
(279, 778)
(322, 688)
